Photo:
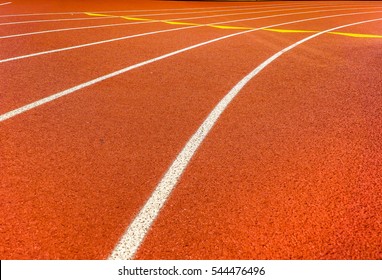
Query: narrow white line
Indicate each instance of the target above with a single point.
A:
(55, 20)
(72, 29)
(148, 33)
(138, 229)
(53, 97)
(133, 11)
(153, 21)
(2, 4)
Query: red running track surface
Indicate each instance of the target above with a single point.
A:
(291, 170)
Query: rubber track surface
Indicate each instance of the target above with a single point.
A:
(291, 170)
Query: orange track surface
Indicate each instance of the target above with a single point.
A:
(291, 170)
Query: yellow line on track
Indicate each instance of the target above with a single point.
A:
(355, 35)
(289, 30)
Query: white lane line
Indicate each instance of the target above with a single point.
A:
(55, 20)
(138, 229)
(55, 96)
(151, 33)
(133, 11)
(115, 16)
(153, 21)
(2, 4)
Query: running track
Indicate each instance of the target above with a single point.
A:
(184, 130)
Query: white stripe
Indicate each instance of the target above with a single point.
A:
(53, 97)
(2, 4)
(54, 20)
(73, 28)
(153, 21)
(148, 33)
(129, 11)
(138, 229)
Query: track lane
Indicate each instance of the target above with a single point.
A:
(222, 8)
(86, 35)
(93, 142)
(16, 83)
(24, 28)
(294, 173)
(111, 14)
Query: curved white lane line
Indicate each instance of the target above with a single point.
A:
(138, 229)
(138, 11)
(174, 19)
(157, 32)
(53, 97)
(2, 4)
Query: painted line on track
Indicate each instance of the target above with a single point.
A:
(249, 28)
(53, 20)
(55, 96)
(116, 16)
(355, 35)
(146, 21)
(201, 12)
(138, 229)
(155, 21)
(132, 16)
(124, 11)
(7, 3)
(139, 15)
(155, 32)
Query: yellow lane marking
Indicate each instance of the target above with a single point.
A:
(138, 19)
(355, 35)
(98, 15)
(289, 30)
(230, 27)
(181, 23)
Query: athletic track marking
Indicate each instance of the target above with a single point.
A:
(52, 20)
(53, 97)
(124, 11)
(142, 15)
(143, 21)
(132, 16)
(2, 4)
(138, 229)
(251, 28)
(157, 32)
(151, 21)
